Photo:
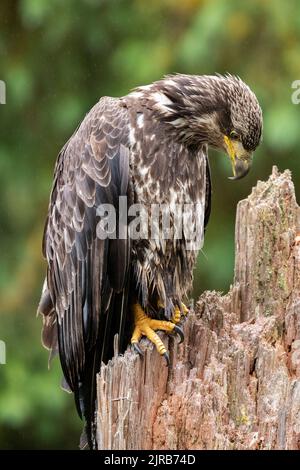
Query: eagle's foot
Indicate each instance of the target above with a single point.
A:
(176, 318)
(178, 312)
(146, 326)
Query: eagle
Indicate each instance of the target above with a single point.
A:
(148, 149)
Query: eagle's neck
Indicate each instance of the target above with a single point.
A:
(187, 104)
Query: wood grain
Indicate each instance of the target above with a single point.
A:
(235, 381)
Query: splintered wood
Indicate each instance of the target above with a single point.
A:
(235, 381)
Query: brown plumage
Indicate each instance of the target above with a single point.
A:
(150, 146)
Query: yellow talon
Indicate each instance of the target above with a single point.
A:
(176, 317)
(146, 326)
(185, 310)
(177, 313)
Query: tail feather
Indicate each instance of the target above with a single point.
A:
(110, 324)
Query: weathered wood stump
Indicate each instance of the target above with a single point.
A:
(235, 381)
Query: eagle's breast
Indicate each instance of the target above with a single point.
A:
(170, 178)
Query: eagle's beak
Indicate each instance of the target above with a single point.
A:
(241, 160)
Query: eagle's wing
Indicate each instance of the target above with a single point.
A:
(85, 298)
(207, 189)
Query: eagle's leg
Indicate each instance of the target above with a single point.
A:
(146, 326)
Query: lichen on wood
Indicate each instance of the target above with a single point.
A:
(235, 381)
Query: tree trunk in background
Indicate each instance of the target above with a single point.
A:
(235, 381)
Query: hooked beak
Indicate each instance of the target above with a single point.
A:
(241, 160)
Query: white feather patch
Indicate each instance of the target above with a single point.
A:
(140, 120)
(161, 98)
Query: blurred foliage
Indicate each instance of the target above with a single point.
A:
(57, 58)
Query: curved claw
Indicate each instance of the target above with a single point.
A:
(179, 332)
(167, 358)
(137, 349)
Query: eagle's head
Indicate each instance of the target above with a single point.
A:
(220, 111)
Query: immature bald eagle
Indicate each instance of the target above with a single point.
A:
(151, 148)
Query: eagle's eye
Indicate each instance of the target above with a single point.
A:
(234, 135)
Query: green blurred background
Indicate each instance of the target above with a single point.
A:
(57, 58)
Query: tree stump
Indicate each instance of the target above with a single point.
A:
(234, 382)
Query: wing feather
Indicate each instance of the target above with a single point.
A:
(92, 168)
